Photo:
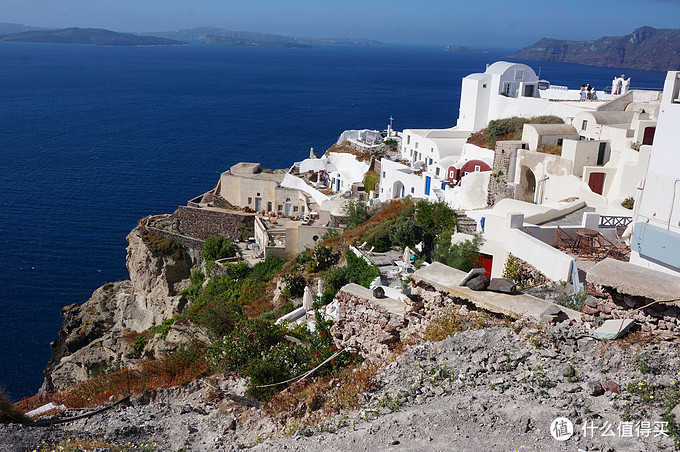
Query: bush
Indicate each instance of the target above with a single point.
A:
(324, 257)
(463, 255)
(572, 300)
(628, 203)
(434, 218)
(360, 271)
(9, 414)
(522, 274)
(406, 233)
(220, 319)
(511, 128)
(552, 149)
(216, 248)
(357, 213)
(248, 341)
(169, 247)
(293, 285)
(370, 179)
(334, 279)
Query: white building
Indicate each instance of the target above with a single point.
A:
(656, 233)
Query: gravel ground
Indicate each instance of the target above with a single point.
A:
(493, 389)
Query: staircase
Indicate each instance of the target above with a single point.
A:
(465, 224)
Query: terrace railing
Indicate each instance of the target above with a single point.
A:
(612, 221)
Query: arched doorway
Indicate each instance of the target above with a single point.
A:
(527, 185)
(397, 190)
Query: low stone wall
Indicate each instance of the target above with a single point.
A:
(203, 223)
(363, 324)
(607, 303)
(426, 301)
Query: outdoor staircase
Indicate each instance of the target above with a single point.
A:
(465, 224)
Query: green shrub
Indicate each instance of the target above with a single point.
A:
(628, 203)
(334, 279)
(522, 274)
(462, 255)
(324, 257)
(169, 247)
(360, 271)
(249, 339)
(378, 237)
(572, 300)
(220, 319)
(293, 285)
(370, 179)
(434, 218)
(216, 248)
(406, 233)
(356, 212)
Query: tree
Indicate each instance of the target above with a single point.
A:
(406, 233)
(216, 248)
(462, 255)
(434, 218)
(357, 213)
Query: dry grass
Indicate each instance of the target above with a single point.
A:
(551, 149)
(363, 156)
(311, 401)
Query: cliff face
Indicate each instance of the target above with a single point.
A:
(92, 337)
(646, 48)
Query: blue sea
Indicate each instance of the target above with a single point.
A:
(94, 138)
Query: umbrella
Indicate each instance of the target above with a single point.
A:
(319, 288)
(307, 299)
(407, 257)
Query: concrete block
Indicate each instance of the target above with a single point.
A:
(613, 329)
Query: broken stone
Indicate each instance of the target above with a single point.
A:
(387, 338)
(590, 310)
(590, 301)
(502, 285)
(475, 272)
(595, 388)
(479, 283)
(611, 386)
(553, 314)
(230, 425)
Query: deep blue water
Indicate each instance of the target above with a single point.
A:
(94, 138)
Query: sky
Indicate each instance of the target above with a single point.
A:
(485, 24)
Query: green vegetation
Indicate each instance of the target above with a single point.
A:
(572, 300)
(511, 128)
(169, 247)
(522, 274)
(9, 414)
(462, 255)
(357, 213)
(406, 233)
(216, 248)
(360, 271)
(628, 203)
(293, 285)
(434, 219)
(370, 179)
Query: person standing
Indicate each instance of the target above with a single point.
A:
(583, 92)
(589, 90)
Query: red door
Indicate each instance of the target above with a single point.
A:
(596, 182)
(648, 137)
(485, 261)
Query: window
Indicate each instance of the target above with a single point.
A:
(584, 125)
(295, 208)
(478, 168)
(451, 174)
(430, 161)
(413, 190)
(250, 200)
(560, 141)
(408, 139)
(258, 194)
(411, 152)
(484, 85)
(416, 145)
(519, 74)
(269, 207)
(302, 210)
(437, 172)
(279, 207)
(383, 173)
(581, 138)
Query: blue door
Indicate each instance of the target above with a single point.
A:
(428, 182)
(338, 185)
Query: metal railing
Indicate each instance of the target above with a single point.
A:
(611, 221)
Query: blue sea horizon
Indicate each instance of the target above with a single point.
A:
(94, 138)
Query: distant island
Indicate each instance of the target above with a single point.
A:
(462, 49)
(96, 36)
(647, 48)
(228, 41)
(211, 35)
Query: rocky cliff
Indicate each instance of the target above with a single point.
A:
(94, 337)
(646, 48)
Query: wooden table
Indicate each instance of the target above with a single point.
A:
(587, 242)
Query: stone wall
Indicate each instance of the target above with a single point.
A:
(203, 223)
(499, 186)
(363, 325)
(660, 318)
(425, 302)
